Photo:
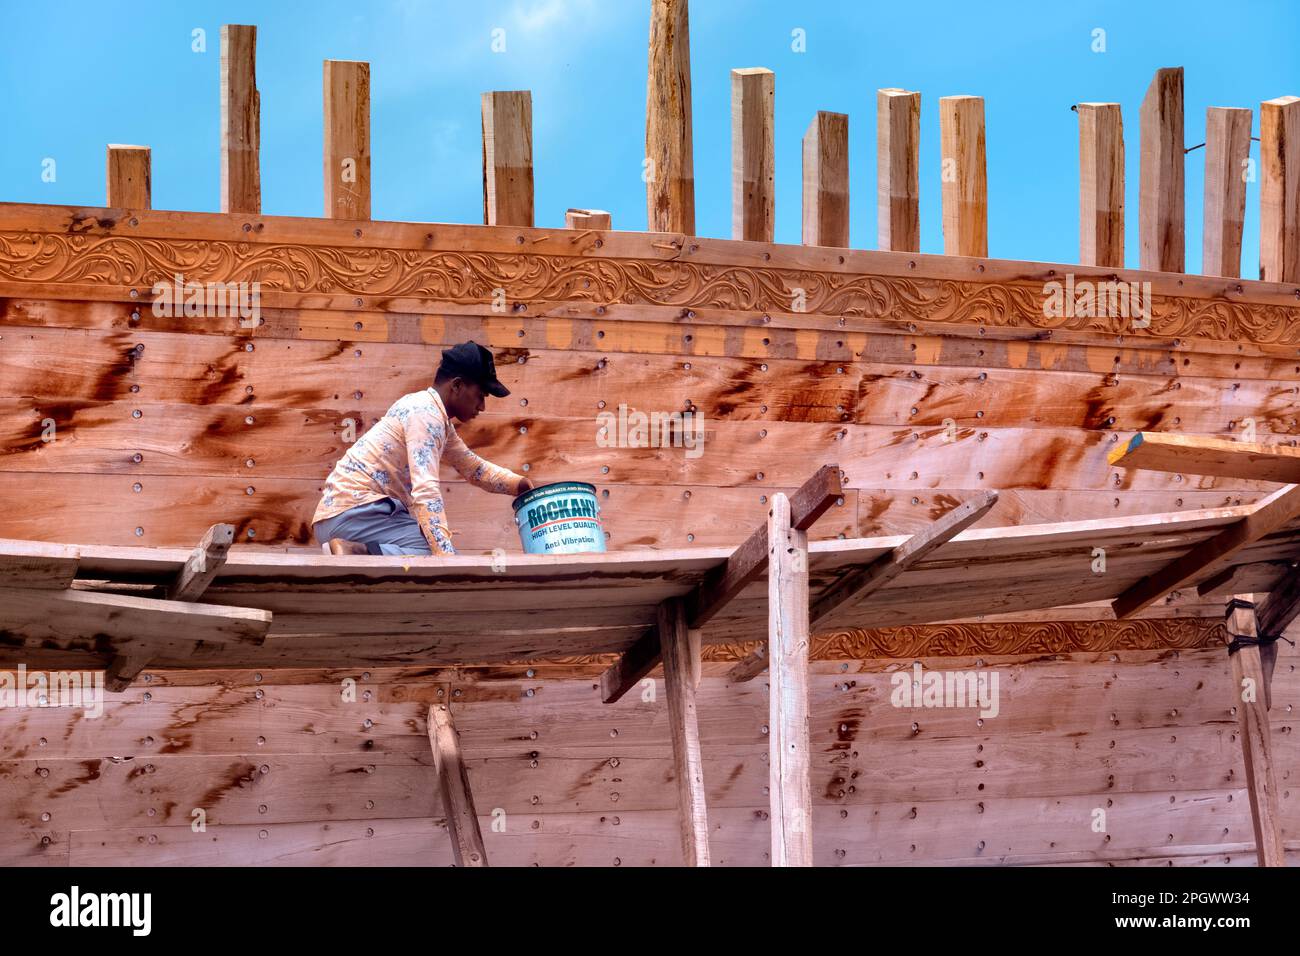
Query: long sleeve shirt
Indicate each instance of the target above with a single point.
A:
(399, 458)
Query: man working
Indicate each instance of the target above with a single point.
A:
(384, 491)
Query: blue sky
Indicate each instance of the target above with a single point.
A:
(78, 75)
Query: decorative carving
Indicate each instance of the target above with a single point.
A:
(470, 277)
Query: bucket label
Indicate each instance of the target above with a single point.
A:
(562, 510)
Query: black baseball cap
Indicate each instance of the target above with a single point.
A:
(473, 362)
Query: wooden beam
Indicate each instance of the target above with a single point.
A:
(826, 181)
(1268, 516)
(1279, 189)
(347, 139)
(203, 564)
(789, 761)
(124, 668)
(1227, 153)
(1218, 457)
(128, 177)
(898, 143)
(688, 765)
(670, 166)
(753, 155)
(457, 800)
(1248, 682)
(1101, 185)
(587, 219)
(965, 182)
(1160, 197)
(1282, 605)
(508, 158)
(241, 112)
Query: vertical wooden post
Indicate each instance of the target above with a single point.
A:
(688, 765)
(241, 117)
(826, 181)
(898, 138)
(670, 163)
(790, 782)
(347, 139)
(1101, 185)
(587, 219)
(1227, 151)
(753, 154)
(1248, 697)
(1279, 189)
(965, 183)
(128, 177)
(508, 158)
(453, 781)
(1160, 198)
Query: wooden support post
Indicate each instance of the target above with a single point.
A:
(124, 668)
(1101, 185)
(669, 157)
(790, 780)
(1248, 681)
(965, 182)
(688, 765)
(241, 111)
(898, 139)
(1279, 189)
(753, 154)
(128, 177)
(587, 219)
(1227, 153)
(1160, 198)
(826, 181)
(347, 139)
(457, 800)
(204, 563)
(508, 158)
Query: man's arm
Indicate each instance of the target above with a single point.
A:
(481, 472)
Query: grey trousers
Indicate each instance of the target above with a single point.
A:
(383, 526)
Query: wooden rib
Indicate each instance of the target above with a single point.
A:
(1227, 152)
(1279, 189)
(124, 668)
(453, 781)
(964, 179)
(1101, 185)
(241, 108)
(1161, 199)
(508, 158)
(898, 138)
(35, 564)
(1256, 741)
(1266, 517)
(680, 668)
(587, 219)
(749, 667)
(347, 139)
(1218, 457)
(789, 783)
(753, 152)
(203, 564)
(128, 177)
(670, 172)
(826, 181)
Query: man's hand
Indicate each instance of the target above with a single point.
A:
(525, 484)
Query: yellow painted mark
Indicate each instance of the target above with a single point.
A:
(559, 333)
(432, 328)
(806, 342)
(1017, 354)
(928, 349)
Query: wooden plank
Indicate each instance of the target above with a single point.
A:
(669, 156)
(680, 666)
(129, 178)
(1249, 702)
(826, 181)
(1101, 185)
(1160, 199)
(347, 139)
(753, 154)
(1279, 189)
(898, 144)
(203, 565)
(1227, 157)
(587, 219)
(508, 158)
(1268, 516)
(790, 783)
(241, 118)
(124, 668)
(457, 799)
(964, 177)
(1203, 455)
(35, 564)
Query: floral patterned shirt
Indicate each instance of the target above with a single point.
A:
(399, 458)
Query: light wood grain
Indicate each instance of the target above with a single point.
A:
(129, 177)
(964, 177)
(898, 144)
(1101, 184)
(1161, 192)
(508, 158)
(1227, 155)
(1279, 189)
(347, 139)
(669, 155)
(241, 118)
(826, 180)
(753, 154)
